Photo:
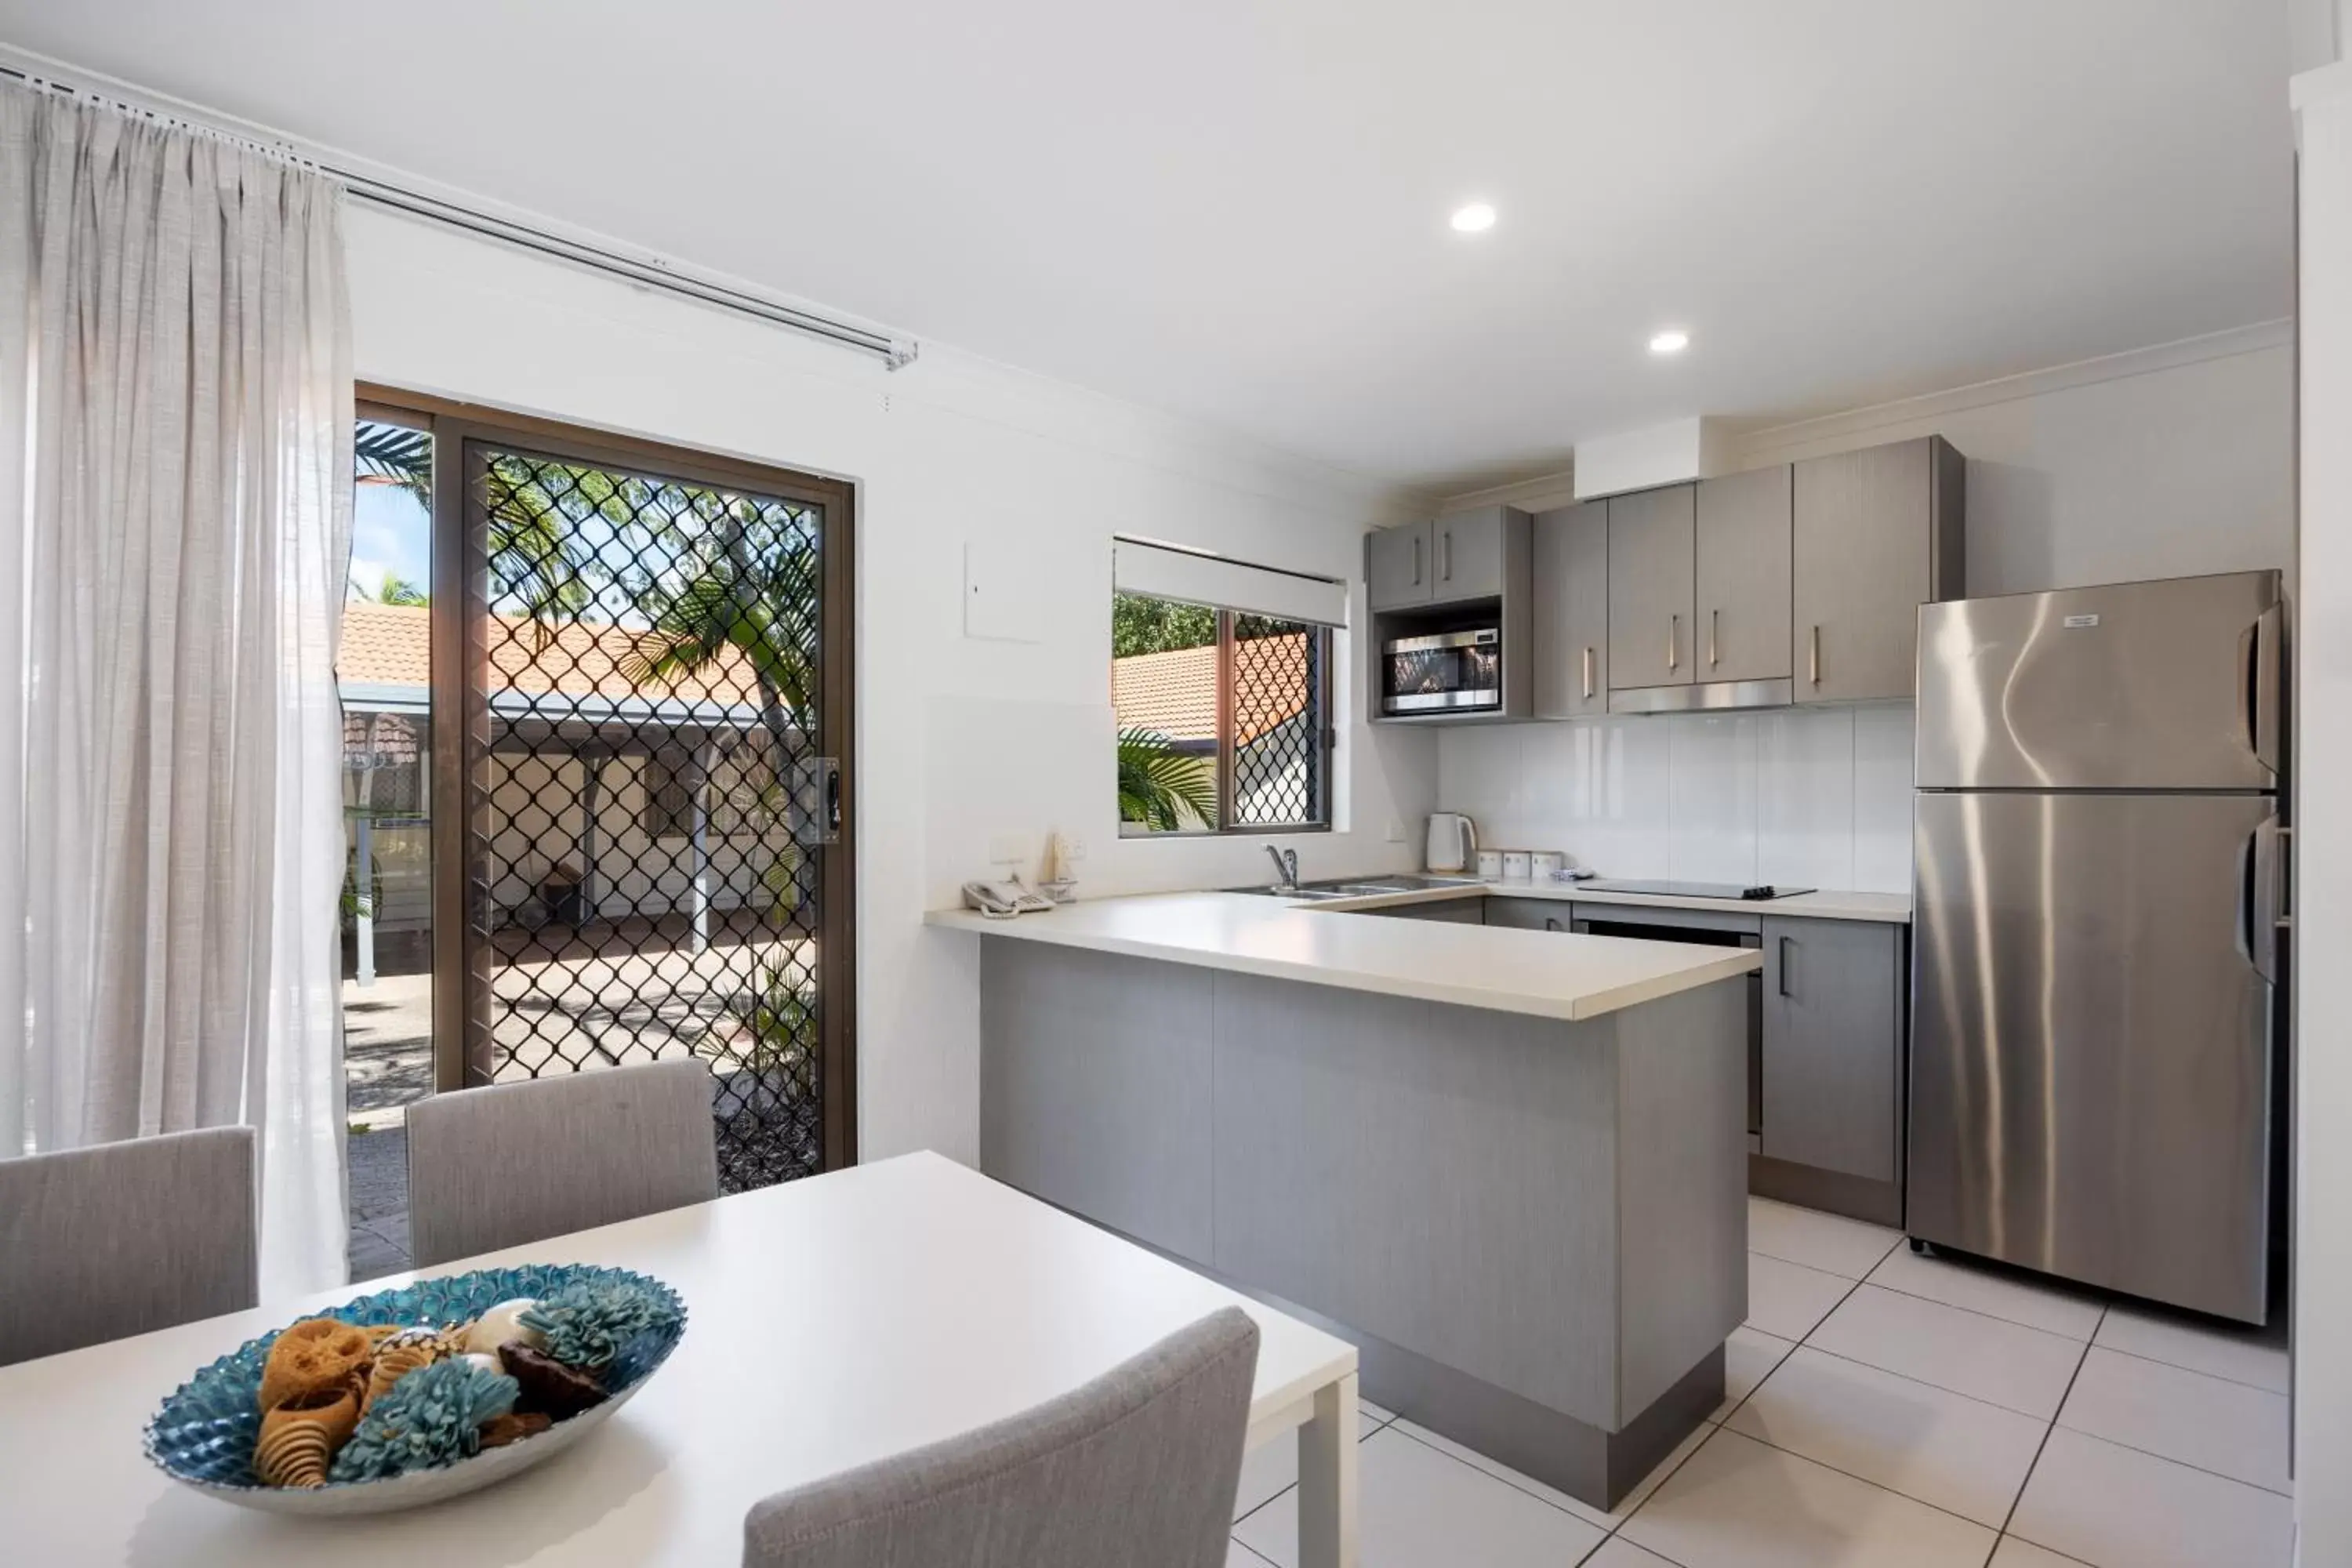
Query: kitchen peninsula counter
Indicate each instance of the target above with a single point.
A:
(1538, 972)
(1510, 1165)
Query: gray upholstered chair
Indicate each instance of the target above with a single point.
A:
(1137, 1469)
(121, 1239)
(513, 1162)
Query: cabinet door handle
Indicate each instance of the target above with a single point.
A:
(1448, 572)
(1416, 561)
(1588, 670)
(1713, 627)
(1674, 641)
(1813, 661)
(1783, 986)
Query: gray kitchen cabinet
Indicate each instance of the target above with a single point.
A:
(1469, 553)
(1453, 911)
(1651, 543)
(1875, 534)
(1397, 566)
(1742, 629)
(1832, 1046)
(1529, 915)
(1571, 650)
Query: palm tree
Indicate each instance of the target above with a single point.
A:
(536, 561)
(1160, 785)
(749, 568)
(392, 591)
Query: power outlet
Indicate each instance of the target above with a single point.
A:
(1012, 848)
(1074, 848)
(1396, 829)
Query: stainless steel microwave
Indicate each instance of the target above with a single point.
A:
(1450, 672)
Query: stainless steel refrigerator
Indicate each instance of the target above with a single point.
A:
(2095, 944)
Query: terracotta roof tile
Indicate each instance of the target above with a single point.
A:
(1175, 692)
(388, 644)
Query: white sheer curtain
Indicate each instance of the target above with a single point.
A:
(175, 428)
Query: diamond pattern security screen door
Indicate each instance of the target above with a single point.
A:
(652, 713)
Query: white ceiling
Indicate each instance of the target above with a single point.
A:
(1235, 209)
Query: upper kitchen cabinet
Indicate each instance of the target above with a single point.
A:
(1396, 566)
(1876, 534)
(1743, 598)
(1469, 551)
(1653, 540)
(1461, 555)
(1570, 631)
(1450, 621)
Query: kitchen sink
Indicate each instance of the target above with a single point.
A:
(1361, 887)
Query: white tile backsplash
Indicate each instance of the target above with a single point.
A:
(1711, 796)
(1813, 796)
(1804, 824)
(1882, 798)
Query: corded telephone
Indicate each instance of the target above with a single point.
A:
(1003, 900)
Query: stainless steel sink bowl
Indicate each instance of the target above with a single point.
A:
(1362, 887)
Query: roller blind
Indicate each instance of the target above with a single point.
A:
(1163, 574)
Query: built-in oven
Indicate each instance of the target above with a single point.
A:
(1444, 672)
(1660, 925)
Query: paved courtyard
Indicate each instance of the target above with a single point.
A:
(626, 991)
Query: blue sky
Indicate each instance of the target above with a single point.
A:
(391, 536)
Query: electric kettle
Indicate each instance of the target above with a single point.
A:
(1453, 842)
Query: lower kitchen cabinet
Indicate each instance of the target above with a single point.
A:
(1529, 914)
(1832, 1049)
(1455, 911)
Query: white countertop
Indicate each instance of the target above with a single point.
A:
(1884, 909)
(1546, 974)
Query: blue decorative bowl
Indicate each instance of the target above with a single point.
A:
(205, 1434)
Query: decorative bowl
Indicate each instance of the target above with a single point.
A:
(203, 1435)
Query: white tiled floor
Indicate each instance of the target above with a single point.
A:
(1881, 1409)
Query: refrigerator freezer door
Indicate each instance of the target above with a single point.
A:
(2090, 1069)
(2171, 685)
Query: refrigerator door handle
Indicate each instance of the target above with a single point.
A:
(2262, 898)
(2262, 651)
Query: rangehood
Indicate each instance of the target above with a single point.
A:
(1705, 697)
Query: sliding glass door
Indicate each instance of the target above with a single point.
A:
(639, 752)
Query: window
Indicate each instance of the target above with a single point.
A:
(1223, 718)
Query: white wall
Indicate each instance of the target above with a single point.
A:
(2322, 878)
(958, 739)
(2169, 461)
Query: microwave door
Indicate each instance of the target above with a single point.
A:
(1447, 671)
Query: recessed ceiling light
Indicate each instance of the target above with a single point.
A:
(1673, 341)
(1476, 218)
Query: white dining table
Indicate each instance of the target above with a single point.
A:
(831, 1321)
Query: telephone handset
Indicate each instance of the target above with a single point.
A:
(1002, 900)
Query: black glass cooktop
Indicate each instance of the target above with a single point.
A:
(1731, 892)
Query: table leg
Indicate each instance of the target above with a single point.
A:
(1326, 1478)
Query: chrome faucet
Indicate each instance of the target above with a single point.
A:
(1285, 866)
